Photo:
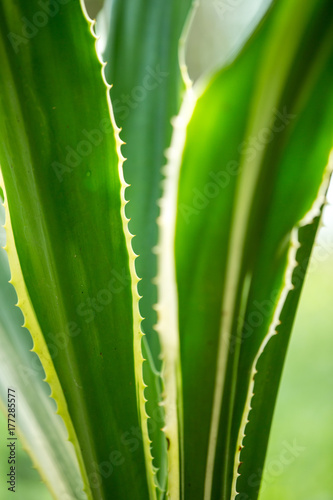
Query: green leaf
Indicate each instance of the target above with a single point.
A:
(39, 428)
(156, 421)
(269, 368)
(68, 243)
(147, 86)
(250, 166)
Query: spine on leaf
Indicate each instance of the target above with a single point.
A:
(137, 318)
(39, 346)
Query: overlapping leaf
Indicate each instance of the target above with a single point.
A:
(250, 170)
(143, 67)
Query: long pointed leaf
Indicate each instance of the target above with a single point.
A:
(40, 429)
(143, 68)
(247, 179)
(61, 173)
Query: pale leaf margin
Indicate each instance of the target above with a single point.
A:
(137, 318)
(39, 346)
(167, 307)
(287, 286)
(51, 454)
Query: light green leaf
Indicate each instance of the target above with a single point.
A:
(251, 165)
(269, 368)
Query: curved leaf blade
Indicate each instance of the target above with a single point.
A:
(40, 429)
(61, 174)
(147, 86)
(239, 171)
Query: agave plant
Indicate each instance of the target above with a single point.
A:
(163, 350)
